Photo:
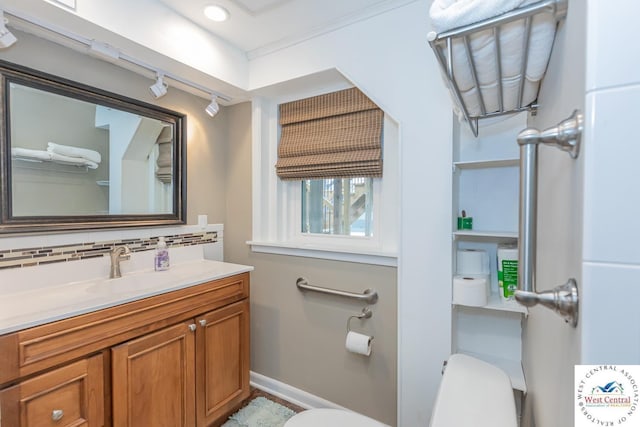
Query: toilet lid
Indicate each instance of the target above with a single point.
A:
(323, 417)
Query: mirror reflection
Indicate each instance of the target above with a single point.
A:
(70, 157)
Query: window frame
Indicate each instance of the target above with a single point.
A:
(277, 204)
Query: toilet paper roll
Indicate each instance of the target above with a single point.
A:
(470, 291)
(472, 262)
(358, 343)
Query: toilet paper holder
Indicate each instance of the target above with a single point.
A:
(366, 314)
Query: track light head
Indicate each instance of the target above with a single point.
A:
(6, 37)
(159, 88)
(213, 108)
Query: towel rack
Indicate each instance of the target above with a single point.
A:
(369, 295)
(50, 166)
(442, 45)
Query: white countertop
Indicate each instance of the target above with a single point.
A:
(24, 304)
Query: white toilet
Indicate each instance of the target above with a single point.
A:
(472, 393)
(325, 417)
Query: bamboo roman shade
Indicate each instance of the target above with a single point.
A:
(164, 171)
(337, 135)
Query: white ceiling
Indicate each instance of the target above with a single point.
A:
(262, 25)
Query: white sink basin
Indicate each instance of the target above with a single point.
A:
(134, 282)
(28, 305)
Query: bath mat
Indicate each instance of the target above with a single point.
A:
(260, 412)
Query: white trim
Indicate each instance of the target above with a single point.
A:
(307, 251)
(289, 393)
(67, 4)
(378, 9)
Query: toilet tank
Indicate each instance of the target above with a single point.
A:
(474, 393)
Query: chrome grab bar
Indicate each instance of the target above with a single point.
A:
(369, 295)
(562, 299)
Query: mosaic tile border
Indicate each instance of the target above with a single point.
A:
(29, 257)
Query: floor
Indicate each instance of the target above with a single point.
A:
(257, 392)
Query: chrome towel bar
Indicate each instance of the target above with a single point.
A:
(562, 299)
(369, 295)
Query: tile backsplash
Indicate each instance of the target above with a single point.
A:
(39, 255)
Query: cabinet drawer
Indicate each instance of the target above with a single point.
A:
(68, 396)
(42, 347)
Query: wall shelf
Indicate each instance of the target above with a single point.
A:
(496, 303)
(495, 236)
(485, 184)
(482, 164)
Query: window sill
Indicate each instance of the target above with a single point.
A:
(335, 254)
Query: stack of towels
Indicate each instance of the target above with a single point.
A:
(63, 154)
(449, 14)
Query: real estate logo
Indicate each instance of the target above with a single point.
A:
(607, 395)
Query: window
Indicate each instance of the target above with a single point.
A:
(341, 206)
(350, 219)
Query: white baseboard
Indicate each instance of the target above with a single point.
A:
(289, 393)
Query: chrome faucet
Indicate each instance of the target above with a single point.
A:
(118, 253)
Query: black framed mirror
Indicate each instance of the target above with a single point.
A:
(76, 157)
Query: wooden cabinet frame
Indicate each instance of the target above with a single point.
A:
(30, 352)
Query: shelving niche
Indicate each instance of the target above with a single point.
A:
(485, 184)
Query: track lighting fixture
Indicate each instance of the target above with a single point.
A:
(6, 37)
(213, 108)
(111, 54)
(159, 88)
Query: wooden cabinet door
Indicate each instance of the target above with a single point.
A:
(222, 361)
(153, 379)
(72, 395)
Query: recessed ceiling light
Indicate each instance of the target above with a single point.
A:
(216, 13)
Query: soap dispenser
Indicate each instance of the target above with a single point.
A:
(161, 261)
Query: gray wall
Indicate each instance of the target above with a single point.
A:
(299, 338)
(206, 144)
(551, 347)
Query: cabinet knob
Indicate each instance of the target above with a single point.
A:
(192, 327)
(203, 322)
(57, 414)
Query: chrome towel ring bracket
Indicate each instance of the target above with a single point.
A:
(563, 299)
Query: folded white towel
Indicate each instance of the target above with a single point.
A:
(510, 90)
(511, 38)
(77, 161)
(68, 150)
(41, 155)
(448, 14)
(29, 154)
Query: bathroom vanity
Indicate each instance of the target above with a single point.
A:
(172, 354)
